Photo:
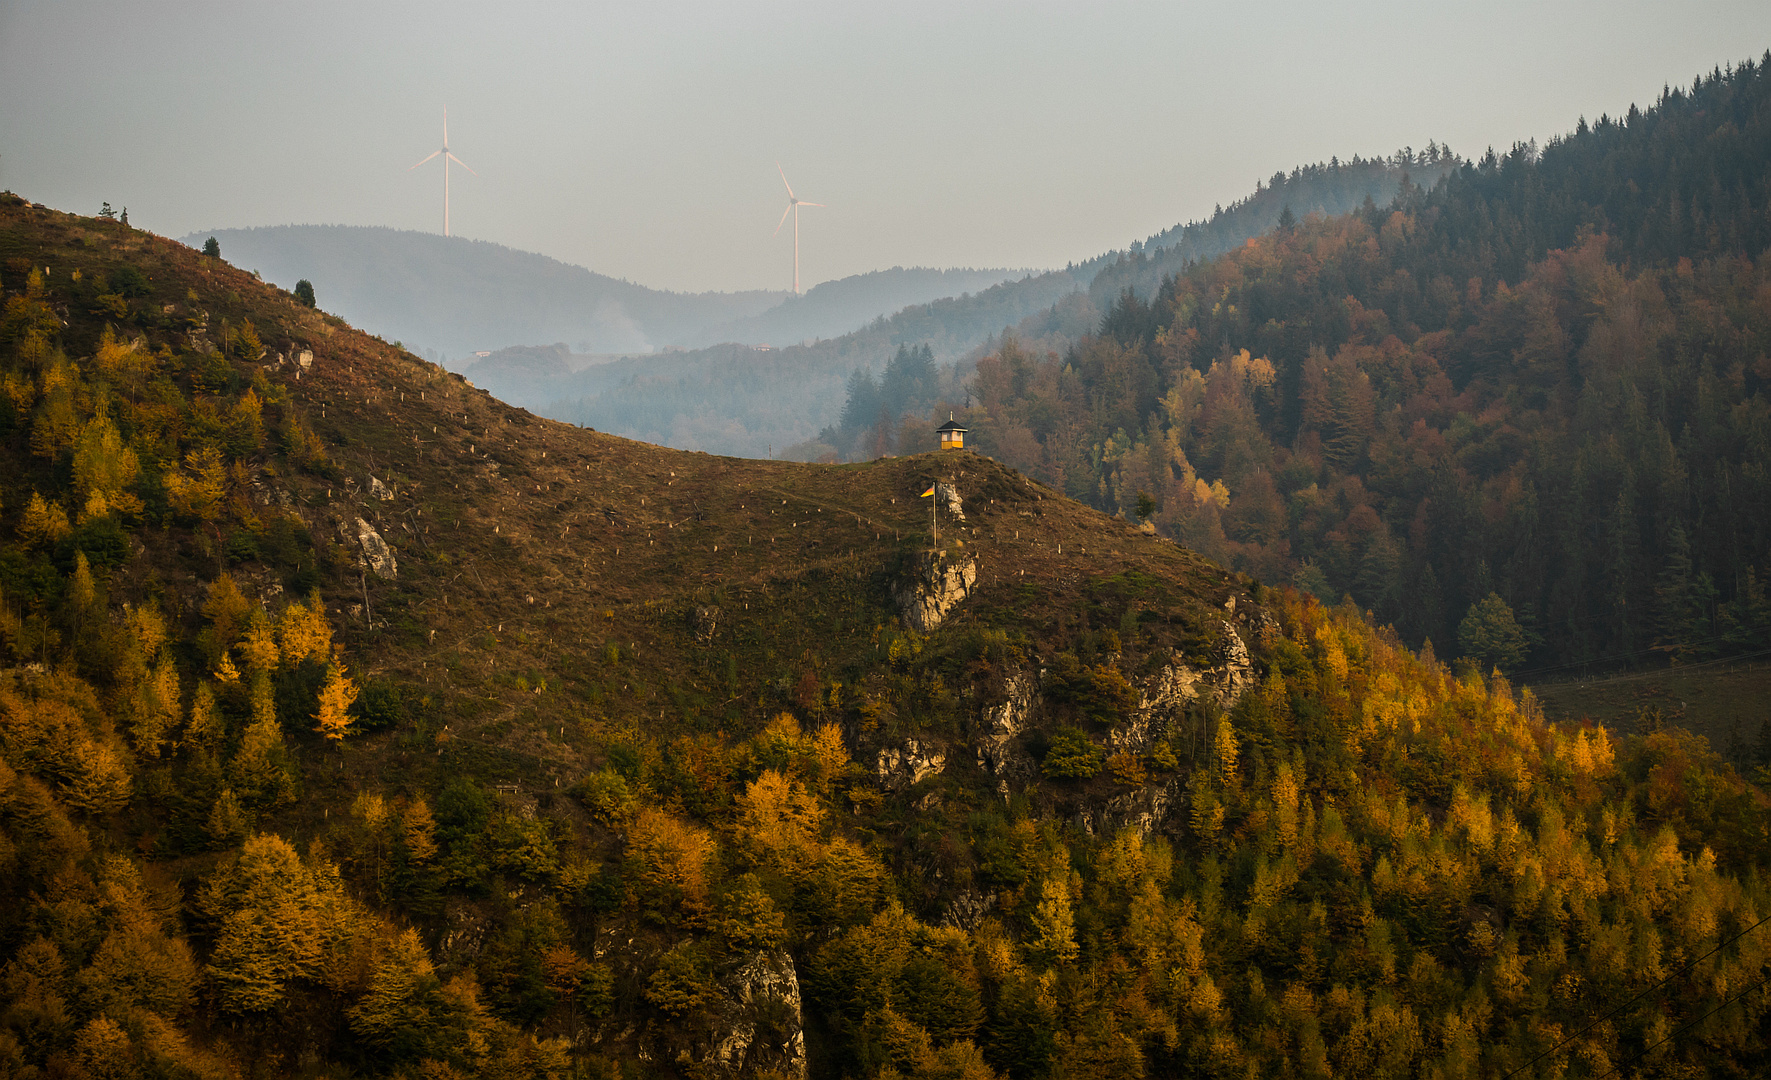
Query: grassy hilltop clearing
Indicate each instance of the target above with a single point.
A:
(353, 723)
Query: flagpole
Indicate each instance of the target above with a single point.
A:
(935, 519)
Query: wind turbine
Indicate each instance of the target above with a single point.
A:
(447, 158)
(794, 202)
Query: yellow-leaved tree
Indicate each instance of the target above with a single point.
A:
(227, 608)
(275, 916)
(45, 522)
(204, 731)
(259, 645)
(104, 469)
(669, 858)
(1054, 923)
(404, 1004)
(258, 771)
(303, 631)
(200, 488)
(336, 698)
(779, 821)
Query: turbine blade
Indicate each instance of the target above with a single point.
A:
(461, 163)
(445, 125)
(802, 202)
(783, 220)
(784, 182)
(434, 153)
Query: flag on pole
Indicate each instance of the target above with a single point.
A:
(929, 492)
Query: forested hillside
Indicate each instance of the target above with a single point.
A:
(1546, 379)
(353, 722)
(884, 408)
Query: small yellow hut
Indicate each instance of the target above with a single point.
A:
(952, 434)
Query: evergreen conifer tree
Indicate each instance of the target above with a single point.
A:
(1491, 635)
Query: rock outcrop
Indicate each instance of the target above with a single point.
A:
(379, 490)
(1233, 674)
(908, 765)
(934, 585)
(759, 1028)
(1000, 727)
(968, 910)
(1145, 809)
(1179, 683)
(377, 556)
(948, 497)
(1159, 704)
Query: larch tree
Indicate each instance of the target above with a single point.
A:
(336, 698)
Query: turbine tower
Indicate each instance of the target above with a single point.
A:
(447, 158)
(794, 202)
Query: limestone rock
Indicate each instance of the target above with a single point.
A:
(967, 910)
(935, 584)
(948, 497)
(1145, 809)
(464, 932)
(377, 556)
(1169, 690)
(909, 765)
(1159, 705)
(759, 1027)
(1234, 674)
(1000, 726)
(380, 490)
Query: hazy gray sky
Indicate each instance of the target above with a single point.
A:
(640, 140)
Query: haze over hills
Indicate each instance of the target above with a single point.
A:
(453, 297)
(727, 401)
(833, 308)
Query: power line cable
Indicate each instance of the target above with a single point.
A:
(1661, 673)
(1687, 1027)
(1688, 966)
(1624, 655)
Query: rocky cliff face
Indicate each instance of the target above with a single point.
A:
(935, 584)
(901, 767)
(1179, 683)
(760, 1030)
(997, 741)
(1145, 808)
(756, 1029)
(377, 555)
(948, 497)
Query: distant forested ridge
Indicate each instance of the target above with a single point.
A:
(1548, 379)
